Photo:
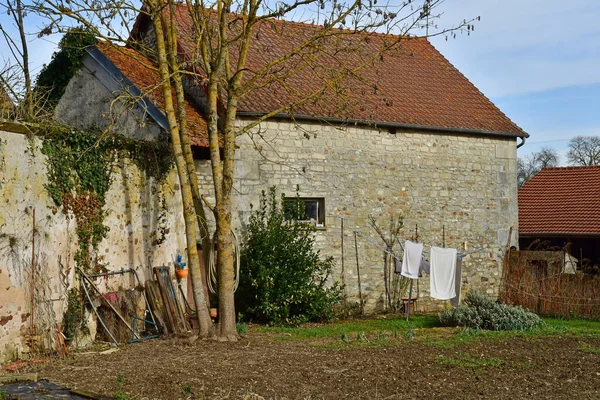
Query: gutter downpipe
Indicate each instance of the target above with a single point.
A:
(522, 141)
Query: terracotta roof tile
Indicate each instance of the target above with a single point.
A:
(410, 84)
(561, 200)
(142, 72)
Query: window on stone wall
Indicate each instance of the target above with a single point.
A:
(310, 209)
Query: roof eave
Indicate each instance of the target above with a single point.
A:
(535, 235)
(382, 124)
(121, 79)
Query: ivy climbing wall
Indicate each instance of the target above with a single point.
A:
(134, 224)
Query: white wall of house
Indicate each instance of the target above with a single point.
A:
(132, 208)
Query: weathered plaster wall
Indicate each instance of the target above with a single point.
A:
(133, 215)
(465, 183)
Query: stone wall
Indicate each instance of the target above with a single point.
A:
(463, 185)
(88, 102)
(133, 214)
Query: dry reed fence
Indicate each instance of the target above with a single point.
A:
(535, 280)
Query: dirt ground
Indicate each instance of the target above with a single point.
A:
(556, 367)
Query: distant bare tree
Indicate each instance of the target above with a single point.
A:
(547, 157)
(584, 150)
(531, 164)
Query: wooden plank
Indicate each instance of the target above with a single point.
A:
(159, 294)
(182, 320)
(178, 314)
(170, 311)
(89, 395)
(158, 308)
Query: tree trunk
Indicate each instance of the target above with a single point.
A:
(187, 149)
(225, 264)
(189, 214)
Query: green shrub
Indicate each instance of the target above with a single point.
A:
(482, 313)
(283, 279)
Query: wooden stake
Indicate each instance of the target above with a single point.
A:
(33, 276)
(409, 300)
(444, 236)
(343, 272)
(358, 274)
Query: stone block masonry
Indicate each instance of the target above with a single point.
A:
(463, 184)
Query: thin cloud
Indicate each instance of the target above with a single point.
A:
(526, 46)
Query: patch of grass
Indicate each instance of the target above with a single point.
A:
(354, 326)
(242, 328)
(410, 334)
(3, 395)
(586, 348)
(573, 327)
(470, 362)
(119, 393)
(187, 391)
(426, 329)
(525, 364)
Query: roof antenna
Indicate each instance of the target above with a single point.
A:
(427, 21)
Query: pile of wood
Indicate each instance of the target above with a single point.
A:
(166, 303)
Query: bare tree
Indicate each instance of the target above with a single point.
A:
(584, 150)
(533, 163)
(208, 42)
(547, 157)
(15, 78)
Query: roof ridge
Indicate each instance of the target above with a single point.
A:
(571, 167)
(348, 30)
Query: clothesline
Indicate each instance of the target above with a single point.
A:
(374, 243)
(447, 283)
(459, 255)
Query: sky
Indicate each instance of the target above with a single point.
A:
(537, 60)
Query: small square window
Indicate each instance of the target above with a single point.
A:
(310, 209)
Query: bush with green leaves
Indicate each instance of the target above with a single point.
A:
(283, 278)
(481, 312)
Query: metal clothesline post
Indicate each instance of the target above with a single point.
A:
(408, 303)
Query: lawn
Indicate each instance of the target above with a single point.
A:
(422, 328)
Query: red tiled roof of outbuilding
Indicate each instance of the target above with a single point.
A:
(143, 73)
(561, 200)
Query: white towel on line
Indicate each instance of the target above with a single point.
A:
(412, 259)
(443, 273)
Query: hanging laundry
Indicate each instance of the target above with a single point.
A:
(443, 273)
(455, 301)
(425, 267)
(412, 259)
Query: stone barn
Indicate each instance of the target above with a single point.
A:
(410, 136)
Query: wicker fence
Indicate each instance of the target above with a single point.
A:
(537, 280)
